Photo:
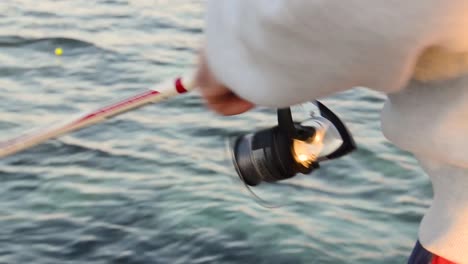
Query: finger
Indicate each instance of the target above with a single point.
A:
(218, 97)
(229, 104)
(204, 77)
(207, 83)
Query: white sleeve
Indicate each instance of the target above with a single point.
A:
(283, 52)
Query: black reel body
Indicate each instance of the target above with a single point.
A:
(281, 152)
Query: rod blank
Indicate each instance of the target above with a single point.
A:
(163, 91)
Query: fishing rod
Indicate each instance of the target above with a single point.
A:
(162, 91)
(266, 156)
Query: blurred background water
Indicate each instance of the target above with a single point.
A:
(153, 186)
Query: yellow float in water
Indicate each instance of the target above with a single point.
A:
(58, 51)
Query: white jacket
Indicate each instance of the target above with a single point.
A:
(284, 52)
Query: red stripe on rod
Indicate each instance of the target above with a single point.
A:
(180, 88)
(118, 105)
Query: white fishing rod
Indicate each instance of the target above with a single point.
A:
(266, 156)
(162, 91)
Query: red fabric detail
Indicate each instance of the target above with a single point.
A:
(180, 86)
(440, 260)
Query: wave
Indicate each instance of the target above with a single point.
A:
(18, 41)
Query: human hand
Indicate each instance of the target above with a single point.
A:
(217, 96)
